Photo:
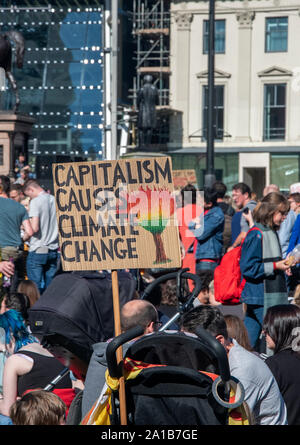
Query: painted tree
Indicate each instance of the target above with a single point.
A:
(153, 209)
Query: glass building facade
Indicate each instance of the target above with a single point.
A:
(61, 82)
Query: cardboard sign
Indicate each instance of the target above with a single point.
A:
(183, 177)
(116, 214)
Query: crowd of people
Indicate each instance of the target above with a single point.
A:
(259, 333)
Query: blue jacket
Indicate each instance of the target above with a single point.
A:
(210, 236)
(285, 231)
(252, 268)
(295, 236)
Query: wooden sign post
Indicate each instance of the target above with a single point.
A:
(108, 212)
(119, 352)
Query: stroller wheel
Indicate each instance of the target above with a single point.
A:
(237, 389)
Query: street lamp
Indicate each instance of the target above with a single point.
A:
(114, 79)
(210, 177)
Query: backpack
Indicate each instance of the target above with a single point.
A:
(228, 213)
(227, 232)
(228, 282)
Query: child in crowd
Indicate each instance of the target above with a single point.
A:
(38, 407)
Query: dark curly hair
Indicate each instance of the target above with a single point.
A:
(207, 317)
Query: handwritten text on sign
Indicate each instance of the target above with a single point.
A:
(116, 214)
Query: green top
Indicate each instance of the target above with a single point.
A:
(12, 215)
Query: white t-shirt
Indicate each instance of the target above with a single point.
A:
(43, 206)
(261, 390)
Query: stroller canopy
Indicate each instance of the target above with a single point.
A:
(79, 306)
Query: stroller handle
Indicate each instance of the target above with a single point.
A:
(219, 352)
(114, 369)
(181, 274)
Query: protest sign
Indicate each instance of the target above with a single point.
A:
(116, 214)
(183, 177)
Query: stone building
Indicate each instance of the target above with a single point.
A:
(257, 90)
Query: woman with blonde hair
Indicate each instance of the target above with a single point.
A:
(29, 288)
(261, 263)
(236, 329)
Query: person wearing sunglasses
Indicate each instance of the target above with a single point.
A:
(262, 265)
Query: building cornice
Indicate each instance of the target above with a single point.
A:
(275, 71)
(218, 74)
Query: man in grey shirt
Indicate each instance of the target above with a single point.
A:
(262, 394)
(43, 253)
(241, 195)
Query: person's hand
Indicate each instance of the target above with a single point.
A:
(7, 268)
(212, 300)
(249, 218)
(230, 248)
(292, 260)
(282, 265)
(197, 220)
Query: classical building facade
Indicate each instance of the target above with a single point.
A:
(257, 90)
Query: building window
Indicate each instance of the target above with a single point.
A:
(274, 111)
(218, 112)
(284, 170)
(61, 83)
(276, 34)
(219, 36)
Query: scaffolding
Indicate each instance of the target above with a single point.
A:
(151, 29)
(151, 33)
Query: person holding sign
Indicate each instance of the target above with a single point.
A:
(43, 253)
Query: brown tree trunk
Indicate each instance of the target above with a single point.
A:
(161, 256)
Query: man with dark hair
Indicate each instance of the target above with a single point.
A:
(5, 183)
(209, 235)
(221, 190)
(241, 195)
(188, 195)
(133, 313)
(228, 211)
(43, 256)
(261, 390)
(16, 192)
(12, 216)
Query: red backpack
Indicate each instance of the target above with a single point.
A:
(228, 282)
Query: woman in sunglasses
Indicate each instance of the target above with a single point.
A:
(262, 266)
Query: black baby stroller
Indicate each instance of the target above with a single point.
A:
(75, 312)
(163, 385)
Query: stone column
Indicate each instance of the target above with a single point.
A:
(181, 70)
(14, 132)
(244, 57)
